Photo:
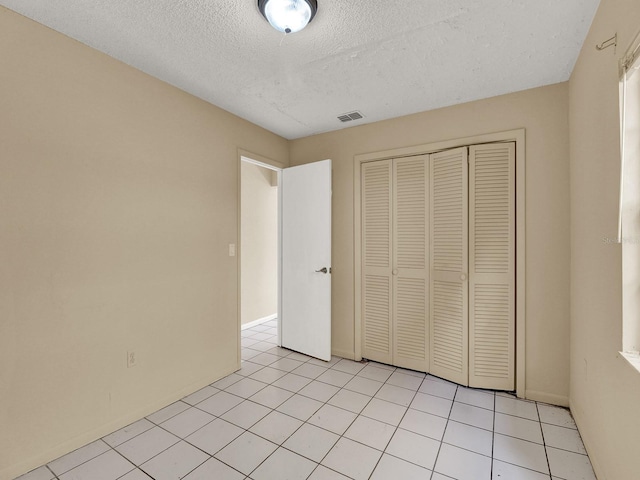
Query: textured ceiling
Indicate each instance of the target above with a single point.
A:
(383, 58)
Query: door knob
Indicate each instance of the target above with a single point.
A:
(322, 270)
(394, 271)
(463, 277)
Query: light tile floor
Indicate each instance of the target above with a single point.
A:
(285, 416)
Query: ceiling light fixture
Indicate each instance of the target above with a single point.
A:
(288, 16)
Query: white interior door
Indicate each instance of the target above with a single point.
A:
(305, 322)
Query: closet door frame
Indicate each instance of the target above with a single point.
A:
(517, 136)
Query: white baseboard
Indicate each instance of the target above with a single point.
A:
(591, 441)
(259, 321)
(549, 398)
(343, 354)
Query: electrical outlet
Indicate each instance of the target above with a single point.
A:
(232, 249)
(132, 359)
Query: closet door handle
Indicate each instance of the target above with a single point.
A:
(394, 271)
(463, 277)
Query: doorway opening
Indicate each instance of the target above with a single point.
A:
(259, 238)
(284, 257)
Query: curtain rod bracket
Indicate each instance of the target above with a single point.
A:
(612, 42)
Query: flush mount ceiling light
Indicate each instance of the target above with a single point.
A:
(288, 16)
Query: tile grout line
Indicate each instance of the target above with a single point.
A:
(183, 439)
(433, 472)
(136, 466)
(46, 465)
(80, 464)
(274, 410)
(245, 430)
(544, 443)
(306, 422)
(493, 434)
(357, 415)
(341, 436)
(383, 452)
(469, 425)
(397, 426)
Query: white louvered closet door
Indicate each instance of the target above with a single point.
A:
(410, 262)
(492, 266)
(449, 352)
(377, 261)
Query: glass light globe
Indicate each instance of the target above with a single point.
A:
(288, 16)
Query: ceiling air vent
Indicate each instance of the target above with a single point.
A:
(348, 117)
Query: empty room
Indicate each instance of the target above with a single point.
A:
(319, 239)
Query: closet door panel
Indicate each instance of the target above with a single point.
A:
(449, 294)
(492, 266)
(377, 261)
(410, 262)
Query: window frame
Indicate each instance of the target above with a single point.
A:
(629, 209)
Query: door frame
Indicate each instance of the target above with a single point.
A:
(260, 161)
(517, 136)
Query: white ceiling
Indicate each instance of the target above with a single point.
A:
(383, 58)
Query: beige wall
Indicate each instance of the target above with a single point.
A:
(605, 390)
(259, 243)
(543, 112)
(118, 199)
